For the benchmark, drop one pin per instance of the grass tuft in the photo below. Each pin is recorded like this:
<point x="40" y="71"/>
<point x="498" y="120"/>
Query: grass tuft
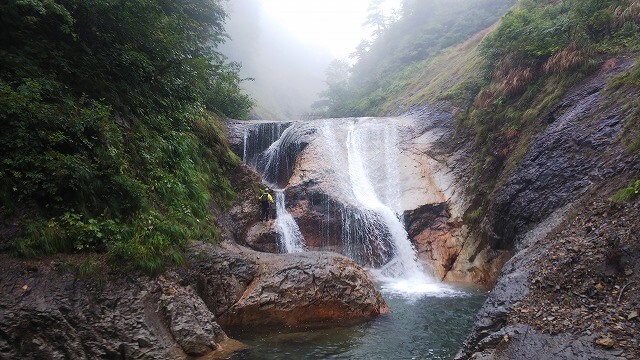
<point x="627" y="194"/>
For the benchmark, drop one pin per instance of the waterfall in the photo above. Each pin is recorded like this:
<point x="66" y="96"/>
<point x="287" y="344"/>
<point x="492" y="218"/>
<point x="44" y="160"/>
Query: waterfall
<point x="277" y="161"/>
<point x="362" y="142"/>
<point x="259" y="137"/>
<point x="359" y="173"/>
<point x="289" y="237"/>
<point x="271" y="149"/>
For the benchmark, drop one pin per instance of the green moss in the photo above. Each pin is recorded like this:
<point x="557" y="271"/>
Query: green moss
<point x="88" y="267"/>
<point x="475" y="214"/>
<point x="628" y="193"/>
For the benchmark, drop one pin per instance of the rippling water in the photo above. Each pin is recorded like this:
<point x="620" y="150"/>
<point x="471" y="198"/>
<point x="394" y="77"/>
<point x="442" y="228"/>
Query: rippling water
<point x="429" y="324"/>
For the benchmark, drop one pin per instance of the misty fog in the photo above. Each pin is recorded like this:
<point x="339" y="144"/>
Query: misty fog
<point x="288" y="73"/>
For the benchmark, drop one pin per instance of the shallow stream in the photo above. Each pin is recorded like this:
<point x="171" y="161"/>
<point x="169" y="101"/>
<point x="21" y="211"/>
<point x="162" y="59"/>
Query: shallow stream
<point x="430" y="325"/>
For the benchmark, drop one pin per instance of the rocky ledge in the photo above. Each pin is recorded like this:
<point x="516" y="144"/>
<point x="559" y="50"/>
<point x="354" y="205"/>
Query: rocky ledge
<point x="60" y="308"/>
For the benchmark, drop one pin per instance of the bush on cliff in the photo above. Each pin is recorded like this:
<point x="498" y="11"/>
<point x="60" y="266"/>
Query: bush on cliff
<point x="109" y="128"/>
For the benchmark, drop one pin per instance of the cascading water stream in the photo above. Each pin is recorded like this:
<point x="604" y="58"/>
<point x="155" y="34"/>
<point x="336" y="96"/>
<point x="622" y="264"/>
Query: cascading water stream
<point x="361" y="167"/>
<point x="290" y="238"/>
<point x="405" y="261"/>
<point x="273" y="163"/>
<point x="403" y="272"/>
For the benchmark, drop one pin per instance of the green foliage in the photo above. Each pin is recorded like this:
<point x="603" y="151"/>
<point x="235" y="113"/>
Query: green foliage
<point x="109" y="128"/>
<point x="536" y="30"/>
<point x="531" y="33"/>
<point x="475" y="214"/>
<point x="627" y="194"/>
<point x="88" y="267"/>
<point x="423" y="29"/>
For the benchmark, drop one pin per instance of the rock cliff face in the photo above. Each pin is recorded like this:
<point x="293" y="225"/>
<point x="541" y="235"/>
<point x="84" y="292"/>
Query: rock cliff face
<point x="321" y="195"/>
<point x="48" y="310"/>
<point x="454" y="251"/>
<point x="577" y="149"/>
<point x="572" y="288"/>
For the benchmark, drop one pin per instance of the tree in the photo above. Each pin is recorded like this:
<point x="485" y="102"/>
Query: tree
<point x="376" y="18"/>
<point x="106" y="130"/>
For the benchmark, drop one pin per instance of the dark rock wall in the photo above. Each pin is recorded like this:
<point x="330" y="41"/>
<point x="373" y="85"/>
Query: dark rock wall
<point x="577" y="149"/>
<point x="545" y="303"/>
<point x="49" y="311"/>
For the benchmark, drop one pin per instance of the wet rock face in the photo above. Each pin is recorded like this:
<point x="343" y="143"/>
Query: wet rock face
<point x="434" y="236"/>
<point x="191" y="323"/>
<point x="252" y="142"/>
<point x="287" y="290"/>
<point x="319" y="216"/>
<point x="257" y="135"/>
<point x="560" y="296"/>
<point x="262" y="236"/>
<point x="242" y="223"/>
<point x="573" y="152"/>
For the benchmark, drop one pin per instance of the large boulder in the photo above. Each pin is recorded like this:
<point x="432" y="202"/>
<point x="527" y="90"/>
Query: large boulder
<point x="262" y="236"/>
<point x="249" y="288"/>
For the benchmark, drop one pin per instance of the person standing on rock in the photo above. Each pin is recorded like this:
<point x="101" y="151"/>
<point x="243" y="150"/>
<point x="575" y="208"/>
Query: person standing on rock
<point x="265" y="203"/>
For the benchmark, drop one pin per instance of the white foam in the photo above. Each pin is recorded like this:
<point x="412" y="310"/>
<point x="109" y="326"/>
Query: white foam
<point x="414" y="287"/>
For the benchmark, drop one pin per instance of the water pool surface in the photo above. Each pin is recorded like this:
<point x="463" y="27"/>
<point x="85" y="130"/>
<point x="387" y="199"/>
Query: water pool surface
<point x="424" y="325"/>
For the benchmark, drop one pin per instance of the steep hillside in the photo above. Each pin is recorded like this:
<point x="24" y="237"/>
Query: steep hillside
<point x="574" y="242"/>
<point x="110" y="127"/>
<point x="400" y="49"/>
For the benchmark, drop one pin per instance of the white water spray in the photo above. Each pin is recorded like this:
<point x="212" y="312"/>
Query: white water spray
<point x="405" y="263"/>
<point x="373" y="160"/>
<point x="289" y="235"/>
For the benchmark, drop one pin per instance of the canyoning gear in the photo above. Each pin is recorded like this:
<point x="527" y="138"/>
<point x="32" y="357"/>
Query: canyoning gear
<point x="266" y="197"/>
<point x="265" y="201"/>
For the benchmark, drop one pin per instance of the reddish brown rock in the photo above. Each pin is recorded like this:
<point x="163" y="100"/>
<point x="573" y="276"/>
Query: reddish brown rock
<point x="304" y="289"/>
<point x="318" y="215"/>
<point x="262" y="236"/>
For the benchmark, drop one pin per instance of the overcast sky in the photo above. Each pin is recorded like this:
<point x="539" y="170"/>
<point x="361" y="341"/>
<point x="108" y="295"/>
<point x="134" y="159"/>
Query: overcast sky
<point x="335" y="25"/>
<point x="286" y="46"/>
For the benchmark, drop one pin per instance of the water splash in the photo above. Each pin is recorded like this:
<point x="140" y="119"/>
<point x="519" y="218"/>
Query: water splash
<point x="361" y="144"/>
<point x="289" y="235"/>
